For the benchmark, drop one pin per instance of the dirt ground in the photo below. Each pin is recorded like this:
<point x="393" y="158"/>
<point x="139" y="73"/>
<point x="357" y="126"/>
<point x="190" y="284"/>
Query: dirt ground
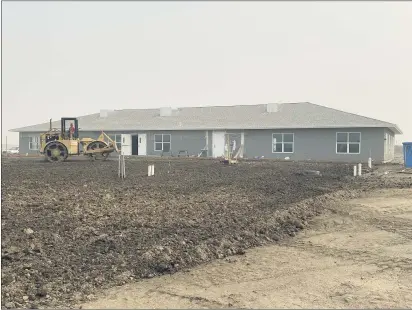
<point x="357" y="254"/>
<point x="73" y="230"/>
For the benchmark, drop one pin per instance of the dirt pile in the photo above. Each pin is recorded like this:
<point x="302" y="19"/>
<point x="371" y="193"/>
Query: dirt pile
<point x="70" y="228"/>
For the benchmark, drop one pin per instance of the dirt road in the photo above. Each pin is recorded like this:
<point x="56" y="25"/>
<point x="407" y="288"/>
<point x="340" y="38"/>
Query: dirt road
<point x="356" y="255"/>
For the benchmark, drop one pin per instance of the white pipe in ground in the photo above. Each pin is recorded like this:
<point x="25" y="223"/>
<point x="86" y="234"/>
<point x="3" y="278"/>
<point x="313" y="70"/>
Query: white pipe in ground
<point x="150" y="170"/>
<point x="359" y="169"/>
<point x="354" y="171"/>
<point x="370" y="163"/>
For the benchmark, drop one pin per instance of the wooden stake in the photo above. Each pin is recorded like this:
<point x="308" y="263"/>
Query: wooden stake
<point x="118" y="172"/>
<point x="124" y="168"/>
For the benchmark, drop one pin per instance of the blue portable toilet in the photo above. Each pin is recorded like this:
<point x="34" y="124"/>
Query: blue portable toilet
<point x="407" y="154"/>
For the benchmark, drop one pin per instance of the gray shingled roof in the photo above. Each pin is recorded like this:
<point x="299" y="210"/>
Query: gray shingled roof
<point x="289" y="115"/>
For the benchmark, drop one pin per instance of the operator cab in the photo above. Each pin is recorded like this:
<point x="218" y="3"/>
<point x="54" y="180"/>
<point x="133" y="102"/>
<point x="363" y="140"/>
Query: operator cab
<point x="69" y="128"/>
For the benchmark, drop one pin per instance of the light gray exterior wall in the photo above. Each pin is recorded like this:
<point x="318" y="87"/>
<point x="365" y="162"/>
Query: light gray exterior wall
<point x="210" y="143"/>
<point x="91" y="134"/>
<point x="309" y="144"/>
<point x="316" y="144"/>
<point x="191" y="141"/>
<point x="24" y="142"/>
<point x="389" y="145"/>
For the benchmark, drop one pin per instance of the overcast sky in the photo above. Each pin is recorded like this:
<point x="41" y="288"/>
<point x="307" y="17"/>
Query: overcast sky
<point x="75" y="58"/>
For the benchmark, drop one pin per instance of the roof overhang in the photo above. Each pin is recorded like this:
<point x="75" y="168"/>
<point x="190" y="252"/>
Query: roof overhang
<point x="393" y="127"/>
<point x="396" y="129"/>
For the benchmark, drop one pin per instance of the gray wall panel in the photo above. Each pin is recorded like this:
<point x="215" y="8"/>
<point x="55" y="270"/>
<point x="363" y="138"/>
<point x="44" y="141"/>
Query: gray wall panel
<point x="316" y="144"/>
<point x="310" y="144"/>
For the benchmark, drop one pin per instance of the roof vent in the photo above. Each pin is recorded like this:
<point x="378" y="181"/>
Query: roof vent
<point x="167" y="111"/>
<point x="272" y="107"/>
<point x="104" y="113"/>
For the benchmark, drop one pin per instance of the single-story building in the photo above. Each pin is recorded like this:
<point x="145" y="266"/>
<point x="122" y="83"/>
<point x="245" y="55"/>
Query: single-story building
<point x="300" y="131"/>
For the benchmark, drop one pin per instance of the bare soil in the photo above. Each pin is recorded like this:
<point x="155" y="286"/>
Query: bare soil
<point x="357" y="254"/>
<point x="72" y="229"/>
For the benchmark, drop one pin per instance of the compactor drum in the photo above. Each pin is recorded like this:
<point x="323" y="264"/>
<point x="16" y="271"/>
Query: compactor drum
<point x="98" y="150"/>
<point x="55" y="151"/>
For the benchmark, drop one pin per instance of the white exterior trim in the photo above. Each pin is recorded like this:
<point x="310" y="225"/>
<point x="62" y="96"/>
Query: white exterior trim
<point x="283" y="142"/>
<point x="162" y="134"/>
<point x="347" y="143"/>
<point x="36" y="141"/>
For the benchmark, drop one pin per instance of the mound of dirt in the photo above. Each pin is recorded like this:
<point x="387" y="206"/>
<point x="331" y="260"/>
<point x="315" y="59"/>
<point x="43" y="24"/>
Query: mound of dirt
<point x="71" y="228"/>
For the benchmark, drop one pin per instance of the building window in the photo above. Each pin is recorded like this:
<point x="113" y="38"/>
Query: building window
<point x="118" y="140"/>
<point x="348" y="142"/>
<point x="283" y="143"/>
<point x="34" y="143"/>
<point x="162" y="142"/>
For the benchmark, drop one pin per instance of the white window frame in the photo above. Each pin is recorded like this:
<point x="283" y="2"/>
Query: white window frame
<point x="34" y="140"/>
<point x="163" y="142"/>
<point x="117" y="138"/>
<point x="347" y="142"/>
<point x="283" y="142"/>
<point x="118" y="141"/>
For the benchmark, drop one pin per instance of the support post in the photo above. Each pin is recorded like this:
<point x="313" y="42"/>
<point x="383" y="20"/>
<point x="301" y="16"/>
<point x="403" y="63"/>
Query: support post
<point x="359" y="169"/>
<point x="354" y="171"/>
<point x="122" y="167"/>
<point x="207" y="144"/>
<point x="242" y="144"/>
<point x="118" y="170"/>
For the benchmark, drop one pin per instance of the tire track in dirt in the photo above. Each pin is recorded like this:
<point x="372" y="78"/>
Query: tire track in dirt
<point x="359" y="256"/>
<point x="203" y="302"/>
<point x="377" y="219"/>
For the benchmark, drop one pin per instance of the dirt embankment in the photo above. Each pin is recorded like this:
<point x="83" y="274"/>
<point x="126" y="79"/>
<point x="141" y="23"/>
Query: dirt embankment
<point x="357" y="254"/>
<point x="72" y="228"/>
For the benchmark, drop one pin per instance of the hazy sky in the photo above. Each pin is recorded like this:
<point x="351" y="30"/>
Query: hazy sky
<point x="74" y="58"/>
